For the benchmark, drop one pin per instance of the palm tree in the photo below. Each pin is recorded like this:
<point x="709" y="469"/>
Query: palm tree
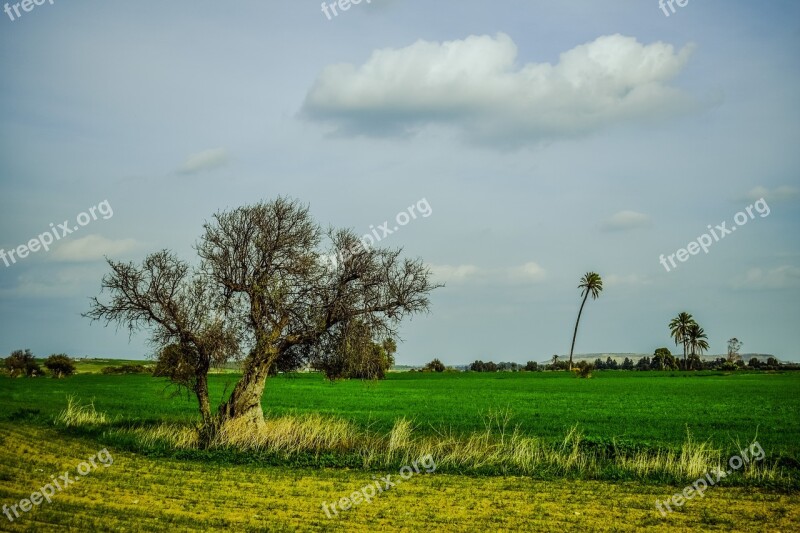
<point x="679" y="330"/>
<point x="592" y="284"/>
<point x="696" y="339"/>
<point x="555" y="361"/>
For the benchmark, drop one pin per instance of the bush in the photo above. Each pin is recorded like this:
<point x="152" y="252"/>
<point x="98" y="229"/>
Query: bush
<point x="60" y="365"/>
<point x="126" y="369"/>
<point x="22" y="363"/>
<point x="353" y="352"/>
<point x="434" y="366"/>
<point x="584" y="369"/>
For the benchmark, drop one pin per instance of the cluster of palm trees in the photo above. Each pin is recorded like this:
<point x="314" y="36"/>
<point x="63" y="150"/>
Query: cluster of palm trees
<point x="684" y="330"/>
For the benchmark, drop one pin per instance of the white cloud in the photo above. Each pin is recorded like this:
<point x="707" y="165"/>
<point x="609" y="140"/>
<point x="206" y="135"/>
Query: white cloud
<point x="529" y="272"/>
<point x="206" y="160"/>
<point x="782" y="277"/>
<point x="778" y="194"/>
<point x="626" y="220"/>
<point x="476" y="86"/>
<point x="91" y="248"/>
<point x="449" y="273"/>
<point x="633" y="280"/>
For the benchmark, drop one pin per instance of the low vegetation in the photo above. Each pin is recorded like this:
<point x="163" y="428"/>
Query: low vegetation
<point x="315" y="440"/>
<point x="188" y="496"/>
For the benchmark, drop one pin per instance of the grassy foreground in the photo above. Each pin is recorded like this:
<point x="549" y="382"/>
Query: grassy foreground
<point x="136" y="493"/>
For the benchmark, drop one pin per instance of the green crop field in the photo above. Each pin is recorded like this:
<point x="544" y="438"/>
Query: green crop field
<point x="645" y="408"/>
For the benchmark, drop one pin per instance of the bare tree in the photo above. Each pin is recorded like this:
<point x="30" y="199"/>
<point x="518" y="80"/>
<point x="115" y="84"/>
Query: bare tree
<point x="178" y="306"/>
<point x="274" y="278"/>
<point x="263" y="288"/>
<point x="734" y="345"/>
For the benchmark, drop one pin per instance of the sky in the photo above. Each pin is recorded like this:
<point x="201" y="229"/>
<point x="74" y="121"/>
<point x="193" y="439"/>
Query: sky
<point x="540" y="139"/>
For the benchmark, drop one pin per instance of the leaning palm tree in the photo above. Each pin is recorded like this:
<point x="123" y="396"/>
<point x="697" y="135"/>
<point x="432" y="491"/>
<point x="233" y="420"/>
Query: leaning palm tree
<point x="679" y="330"/>
<point x="696" y="340"/>
<point x="592" y="284"/>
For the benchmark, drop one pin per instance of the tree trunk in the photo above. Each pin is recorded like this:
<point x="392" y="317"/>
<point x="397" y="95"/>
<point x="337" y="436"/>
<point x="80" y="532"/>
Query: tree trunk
<point x="685" y="362"/>
<point x="201" y="391"/>
<point x="575" y="334"/>
<point x="209" y="426"/>
<point x="245" y="400"/>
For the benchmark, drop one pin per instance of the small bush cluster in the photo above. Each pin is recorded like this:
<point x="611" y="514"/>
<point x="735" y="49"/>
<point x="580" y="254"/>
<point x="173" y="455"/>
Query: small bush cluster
<point x="127" y="369"/>
<point x="22" y="363"/>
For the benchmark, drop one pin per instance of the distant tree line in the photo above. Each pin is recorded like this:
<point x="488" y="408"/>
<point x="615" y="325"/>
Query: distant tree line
<point x="661" y="359"/>
<point x="491" y="366"/>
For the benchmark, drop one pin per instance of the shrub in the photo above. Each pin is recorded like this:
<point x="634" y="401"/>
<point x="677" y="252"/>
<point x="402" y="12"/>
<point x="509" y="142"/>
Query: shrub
<point x="126" y="369"/>
<point x="60" y="365"/>
<point x="584" y="369"/>
<point x="22" y="363"/>
<point x="434" y="366"/>
<point x="353" y="352"/>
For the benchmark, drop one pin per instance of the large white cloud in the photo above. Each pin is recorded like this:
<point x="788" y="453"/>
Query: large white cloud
<point x="476" y="86"/>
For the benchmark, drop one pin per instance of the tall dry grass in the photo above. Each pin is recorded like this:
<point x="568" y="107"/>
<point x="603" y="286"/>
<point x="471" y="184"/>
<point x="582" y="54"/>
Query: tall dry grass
<point x="497" y="449"/>
<point x="77" y="415"/>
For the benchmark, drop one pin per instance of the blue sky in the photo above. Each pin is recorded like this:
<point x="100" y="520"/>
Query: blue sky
<point x="548" y="138"/>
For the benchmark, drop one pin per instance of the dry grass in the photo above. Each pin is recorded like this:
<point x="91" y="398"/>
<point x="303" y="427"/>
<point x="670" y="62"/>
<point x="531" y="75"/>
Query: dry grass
<point x="140" y="493"/>
<point x="78" y="415"/>
<point x="496" y="449"/>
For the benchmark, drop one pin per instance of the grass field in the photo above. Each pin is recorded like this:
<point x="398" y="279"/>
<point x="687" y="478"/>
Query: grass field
<point x="642" y="408"/>
<point x="154" y="490"/>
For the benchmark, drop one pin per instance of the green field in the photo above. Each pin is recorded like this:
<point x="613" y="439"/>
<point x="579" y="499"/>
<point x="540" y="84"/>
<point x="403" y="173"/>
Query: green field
<point x="640" y="408"/>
